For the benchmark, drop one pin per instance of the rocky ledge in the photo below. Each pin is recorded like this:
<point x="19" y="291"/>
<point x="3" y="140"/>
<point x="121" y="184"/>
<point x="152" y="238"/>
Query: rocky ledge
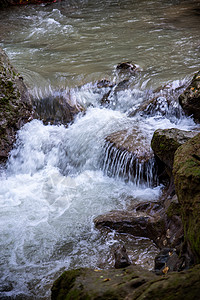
<point x="186" y="172"/>
<point x="128" y="283"/>
<point x="15" y="105"/>
<point x="190" y="98"/>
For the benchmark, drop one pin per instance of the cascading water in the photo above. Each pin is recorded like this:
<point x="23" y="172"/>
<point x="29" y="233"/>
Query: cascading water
<point x="124" y="164"/>
<point x="55" y="181"/>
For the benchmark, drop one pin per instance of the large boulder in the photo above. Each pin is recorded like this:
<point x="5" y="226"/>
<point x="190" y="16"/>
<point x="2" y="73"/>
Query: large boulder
<point x="15" y="104"/>
<point x="166" y="141"/>
<point x="190" y="98"/>
<point x="186" y="173"/>
<point x="127" y="283"/>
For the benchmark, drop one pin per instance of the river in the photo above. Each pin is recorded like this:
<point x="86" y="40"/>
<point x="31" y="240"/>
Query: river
<point x="53" y="185"/>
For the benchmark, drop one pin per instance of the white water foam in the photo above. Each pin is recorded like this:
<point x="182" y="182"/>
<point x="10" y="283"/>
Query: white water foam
<point x="50" y="193"/>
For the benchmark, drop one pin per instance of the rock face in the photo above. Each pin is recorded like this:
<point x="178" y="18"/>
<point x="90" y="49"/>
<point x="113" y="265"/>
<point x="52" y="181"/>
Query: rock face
<point x="127" y="154"/>
<point x="128" y="283"/>
<point x="187" y="183"/>
<point x="166" y="141"/>
<point x="15" y="105"/>
<point x="190" y="98"/>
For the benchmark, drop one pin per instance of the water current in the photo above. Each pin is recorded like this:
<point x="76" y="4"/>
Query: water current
<point x="54" y="185"/>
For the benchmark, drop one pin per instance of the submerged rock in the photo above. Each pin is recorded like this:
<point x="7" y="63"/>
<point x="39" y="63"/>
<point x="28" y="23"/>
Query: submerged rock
<point x="129" y="283"/>
<point x="127" y="154"/>
<point x="56" y="110"/>
<point x="190" y="98"/>
<point x="15" y="105"/>
<point x="186" y="171"/>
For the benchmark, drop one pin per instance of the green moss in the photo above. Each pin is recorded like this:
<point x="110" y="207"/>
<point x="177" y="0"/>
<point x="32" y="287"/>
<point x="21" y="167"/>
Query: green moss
<point x="63" y="284"/>
<point x="173" y="209"/>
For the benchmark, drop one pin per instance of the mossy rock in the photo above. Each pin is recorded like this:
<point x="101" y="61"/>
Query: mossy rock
<point x="190" y="98"/>
<point x="187" y="183"/>
<point x="15" y="104"/>
<point x="166" y="141"/>
<point x="129" y="283"/>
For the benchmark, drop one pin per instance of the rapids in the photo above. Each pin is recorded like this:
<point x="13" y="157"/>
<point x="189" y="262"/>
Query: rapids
<point x="54" y="183"/>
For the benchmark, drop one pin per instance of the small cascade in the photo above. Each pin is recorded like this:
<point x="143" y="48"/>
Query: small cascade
<point x="136" y="166"/>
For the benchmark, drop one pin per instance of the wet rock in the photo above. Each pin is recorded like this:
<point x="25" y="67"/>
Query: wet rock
<point x="15" y="105"/>
<point x="128" y="283"/>
<point x="190" y="98"/>
<point x="121" y="86"/>
<point x="105" y="99"/>
<point x="110" y="95"/>
<point x="121" y="257"/>
<point x="56" y="110"/>
<point x="136" y="224"/>
<point x="186" y="171"/>
<point x="127" y="154"/>
<point x="161" y="102"/>
<point x="168" y="261"/>
<point x="104" y="83"/>
<point x="166" y="141"/>
<point x="127" y="67"/>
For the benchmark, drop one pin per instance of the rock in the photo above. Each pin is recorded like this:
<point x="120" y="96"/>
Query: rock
<point x="128" y="283"/>
<point x="168" y="261"/>
<point x="186" y="171"/>
<point x="99" y="284"/>
<point x="104" y="83"/>
<point x="110" y="95"/>
<point x="166" y="141"/>
<point x="121" y="257"/>
<point x="127" y="154"/>
<point x="15" y="105"/>
<point x="127" y="66"/>
<point x="136" y="224"/>
<point x="56" y="110"/>
<point x="161" y="102"/>
<point x="190" y="98"/>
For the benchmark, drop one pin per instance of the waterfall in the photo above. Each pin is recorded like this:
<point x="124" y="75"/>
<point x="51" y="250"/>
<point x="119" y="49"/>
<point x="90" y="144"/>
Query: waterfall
<point x="121" y="163"/>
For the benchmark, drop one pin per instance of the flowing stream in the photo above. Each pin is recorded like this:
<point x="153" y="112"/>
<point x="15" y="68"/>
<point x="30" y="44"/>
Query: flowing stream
<point x="54" y="183"/>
